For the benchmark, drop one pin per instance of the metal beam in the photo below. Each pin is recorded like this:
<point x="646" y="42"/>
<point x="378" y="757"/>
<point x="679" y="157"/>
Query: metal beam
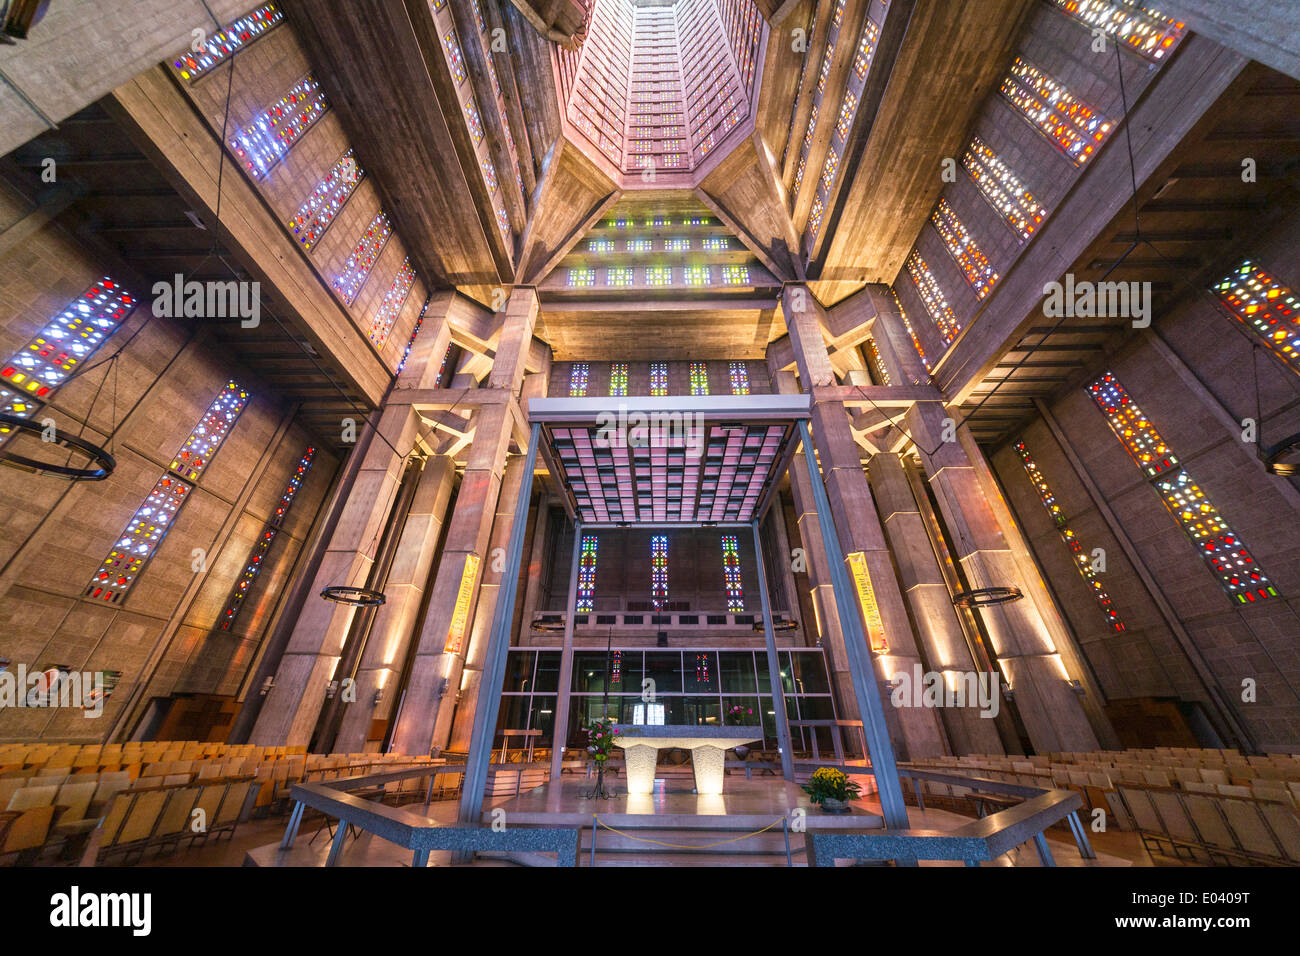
<point x="773" y="664"/>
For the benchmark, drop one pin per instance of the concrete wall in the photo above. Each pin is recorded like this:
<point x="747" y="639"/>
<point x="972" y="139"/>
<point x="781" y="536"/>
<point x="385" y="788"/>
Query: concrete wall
<point x="54" y="534"/>
<point x="1256" y="642"/>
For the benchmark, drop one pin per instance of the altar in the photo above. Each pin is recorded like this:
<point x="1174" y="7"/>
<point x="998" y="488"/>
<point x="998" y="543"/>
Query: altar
<point x="708" y="745"/>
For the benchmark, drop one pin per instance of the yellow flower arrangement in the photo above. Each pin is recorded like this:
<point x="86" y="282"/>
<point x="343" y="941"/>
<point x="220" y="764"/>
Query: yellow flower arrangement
<point x="827" y="783"/>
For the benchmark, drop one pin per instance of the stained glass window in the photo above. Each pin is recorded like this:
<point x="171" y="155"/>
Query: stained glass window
<point x="579" y="373"/>
<point x="582" y="277"/>
<point x="454" y="59"/>
<point x="266" y="140"/>
<point x="715" y="244"/>
<point x="1053" y="110"/>
<point x="619" y="277"/>
<point x="735" y="275"/>
<point x="659" y="378"/>
<point x="442" y="366"/>
<point x="739" y="378"/>
<point x="677" y="245"/>
<point x="640" y="245"/>
<point x="1267" y="306"/>
<point x="228" y="41"/>
<point x="144" y="532"/>
<point x="600" y="245"/>
<point x="936" y="303"/>
<point x="319" y="209"/>
<point x="410" y="343"/>
<point x="71" y="337"/>
<point x="587" y="575"/>
<point x="659" y="571"/>
<point x="699" y="378"/>
<point x="1131" y="426"/>
<point x="1003" y="189"/>
<point x="391" y="306"/>
<point x="1147" y="31"/>
<point x="20" y="406"/>
<point x="253" y="566"/>
<point x="357" y="269"/>
<point x="659" y="275"/>
<point x="618" y="379"/>
<point x="974" y="264"/>
<point x="697" y="275"/>
<point x="1218" y="545"/>
<point x="910" y="331"/>
<point x="731" y="572"/>
<point x="1082" y="558"/>
<point x="206" y="438"/>
<point x="474" y="122"/>
<point x="866" y="48"/>
<point x="879" y="363"/>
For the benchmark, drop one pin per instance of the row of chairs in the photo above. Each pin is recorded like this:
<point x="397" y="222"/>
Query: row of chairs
<point x="161" y="817"/>
<point x="1213" y="827"/>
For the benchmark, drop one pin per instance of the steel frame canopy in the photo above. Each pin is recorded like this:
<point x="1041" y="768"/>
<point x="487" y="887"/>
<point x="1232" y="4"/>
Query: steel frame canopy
<point x="668" y="461"/>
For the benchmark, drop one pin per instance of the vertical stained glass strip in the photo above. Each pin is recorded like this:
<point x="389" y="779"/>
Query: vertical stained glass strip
<point x="911" y="331"/>
<point x="266" y="140"/>
<point x="211" y="431"/>
<point x="1075" y="129"/>
<point x="739" y="378"/>
<point x="1082" y="558"/>
<point x="391" y="306"/>
<point x="410" y="343"/>
<point x="253" y="566"/>
<point x="319" y="209"/>
<point x="659" y="571"/>
<point x="587" y="575"/>
<point x="699" y="378"/>
<point x="936" y="303"/>
<point x="71" y="337"/>
<point x="1267" y="306"/>
<point x="1230" y="560"/>
<point x="454" y="59"/>
<point x="579" y="373"/>
<point x="1131" y="426"/>
<point x="1003" y="189"/>
<point x="961" y="245"/>
<point x="227" y="42"/>
<point x="1146" y="31"/>
<point x="731" y="572"/>
<point x="879" y="363"/>
<point x="20" y="406"/>
<point x="618" y="380"/>
<point x="144" y="532"/>
<point x="658" y="378"/>
<point x="356" y="270"/>
<point x="1218" y="545"/>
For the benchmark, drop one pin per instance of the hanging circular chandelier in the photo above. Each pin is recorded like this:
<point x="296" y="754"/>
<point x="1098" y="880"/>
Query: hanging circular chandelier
<point x="357" y="597"/>
<point x="1271" y="455"/>
<point x="986" y="597"/>
<point x="101" y="462"/>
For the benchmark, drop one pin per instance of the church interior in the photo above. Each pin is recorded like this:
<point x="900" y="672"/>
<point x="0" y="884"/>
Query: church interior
<point x="693" y="432"/>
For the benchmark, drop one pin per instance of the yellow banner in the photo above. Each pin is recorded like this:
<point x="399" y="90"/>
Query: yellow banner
<point x="867" y="601"/>
<point x="460" y="615"/>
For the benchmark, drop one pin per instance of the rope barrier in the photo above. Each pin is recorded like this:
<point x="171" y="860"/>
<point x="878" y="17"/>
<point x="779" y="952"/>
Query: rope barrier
<point x="681" y="846"/>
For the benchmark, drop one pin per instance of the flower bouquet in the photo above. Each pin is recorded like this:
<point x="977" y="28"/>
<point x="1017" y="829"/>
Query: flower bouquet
<point x="600" y="740"/>
<point x="832" y="789"/>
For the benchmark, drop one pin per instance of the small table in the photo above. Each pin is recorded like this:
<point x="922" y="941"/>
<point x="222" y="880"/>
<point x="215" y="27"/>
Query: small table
<point x="641" y="744"/>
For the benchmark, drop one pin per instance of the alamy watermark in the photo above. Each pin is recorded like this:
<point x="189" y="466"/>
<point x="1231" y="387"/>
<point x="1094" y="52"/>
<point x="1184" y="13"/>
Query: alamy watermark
<point x="1103" y="300"/>
<point x="621" y="428"/>
<point x="211" y="300"/>
<point x="922" y="688"/>
<point x="85" y="691"/>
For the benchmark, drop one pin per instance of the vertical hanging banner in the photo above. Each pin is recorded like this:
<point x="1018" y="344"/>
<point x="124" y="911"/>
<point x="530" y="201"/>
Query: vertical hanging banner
<point x="464" y="596"/>
<point x="867" y="601"/>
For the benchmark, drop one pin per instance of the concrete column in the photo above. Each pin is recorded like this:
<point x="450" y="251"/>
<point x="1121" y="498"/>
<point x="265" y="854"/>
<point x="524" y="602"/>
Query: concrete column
<point x="940" y="630"/>
<point x="854" y="514"/>
<point x="1028" y="656"/>
<point x="490" y="576"/>
<point x="289" y="713"/>
<point x="395" y="621"/>
<point x="433" y="687"/>
<point x="1261" y="30"/>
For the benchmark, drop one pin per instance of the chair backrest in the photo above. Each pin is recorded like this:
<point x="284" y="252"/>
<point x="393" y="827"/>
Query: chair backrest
<point x="1233" y="790"/>
<point x="29" y="797"/>
<point x="232" y="805"/>
<point x="1244" y="817"/>
<point x="1213" y="775"/>
<point x="142" y="816"/>
<point x="76" y="798"/>
<point x="176" y="814"/>
<point x="1285" y="826"/>
<point x="147" y="783"/>
<point x="176" y="779"/>
<point x="1205" y="813"/>
<point x="8" y="787"/>
<point x="1170" y="807"/>
<point x="1156" y="777"/>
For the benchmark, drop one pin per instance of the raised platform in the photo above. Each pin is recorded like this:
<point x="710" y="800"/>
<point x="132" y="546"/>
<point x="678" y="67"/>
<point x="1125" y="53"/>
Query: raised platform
<point x="745" y="804"/>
